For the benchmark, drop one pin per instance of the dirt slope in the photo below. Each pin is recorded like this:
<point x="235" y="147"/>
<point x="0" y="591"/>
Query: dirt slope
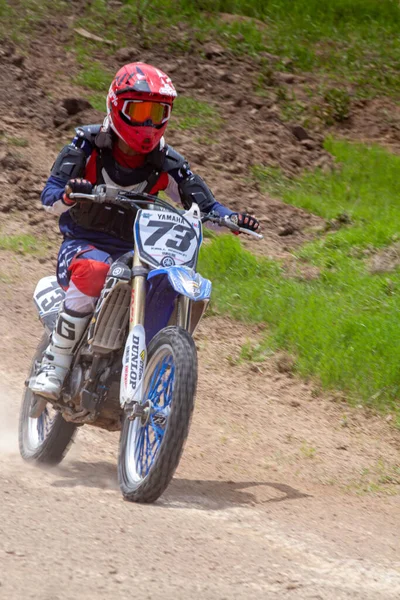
<point x="281" y="493"/>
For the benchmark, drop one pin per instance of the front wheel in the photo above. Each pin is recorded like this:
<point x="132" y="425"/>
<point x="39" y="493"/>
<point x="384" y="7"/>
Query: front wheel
<point x="44" y="439"/>
<point x="151" y="445"/>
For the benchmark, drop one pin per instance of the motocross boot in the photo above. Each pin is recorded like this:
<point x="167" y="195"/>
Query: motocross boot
<point x="58" y="355"/>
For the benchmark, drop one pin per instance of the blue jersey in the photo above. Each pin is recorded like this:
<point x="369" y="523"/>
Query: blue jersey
<point x="167" y="180"/>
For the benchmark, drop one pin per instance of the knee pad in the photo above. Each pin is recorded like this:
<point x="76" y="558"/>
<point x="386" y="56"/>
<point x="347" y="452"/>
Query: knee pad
<point x="88" y="275"/>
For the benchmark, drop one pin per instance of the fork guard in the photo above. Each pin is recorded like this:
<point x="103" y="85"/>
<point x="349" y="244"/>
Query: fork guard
<point x="185" y="281"/>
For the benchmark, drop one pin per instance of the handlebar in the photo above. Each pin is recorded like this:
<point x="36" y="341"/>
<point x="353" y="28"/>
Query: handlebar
<point x="114" y="195"/>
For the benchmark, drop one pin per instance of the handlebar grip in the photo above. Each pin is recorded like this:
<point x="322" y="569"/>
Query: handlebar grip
<point x="77" y="196"/>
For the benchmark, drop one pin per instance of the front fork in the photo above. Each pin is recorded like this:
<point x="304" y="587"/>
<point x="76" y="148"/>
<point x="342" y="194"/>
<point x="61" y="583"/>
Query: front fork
<point x="135" y="352"/>
<point x="138" y="298"/>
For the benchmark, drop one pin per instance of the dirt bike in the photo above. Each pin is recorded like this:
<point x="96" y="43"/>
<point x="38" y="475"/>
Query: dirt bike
<point x="135" y="369"/>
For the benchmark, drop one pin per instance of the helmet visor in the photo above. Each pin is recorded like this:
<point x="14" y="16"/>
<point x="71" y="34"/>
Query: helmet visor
<point x="140" y="112"/>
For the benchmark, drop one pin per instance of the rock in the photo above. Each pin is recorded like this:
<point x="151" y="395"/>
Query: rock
<point x="257" y="102"/>
<point x="73" y="106"/>
<point x="12" y="162"/>
<point x="273" y="58"/>
<point x="295" y="403"/>
<point x="5" y="208"/>
<point x="211" y="50"/>
<point x="11" y="120"/>
<point x="230" y="77"/>
<point x="268" y="113"/>
<point x="285" y="77"/>
<point x="300" y="133"/>
<point x="200" y="158"/>
<point x="240" y="101"/>
<point x="287" y="229"/>
<point x="126" y="55"/>
<point x="309" y="144"/>
<point x="91" y="36"/>
<point x="60" y="116"/>
<point x="170" y="67"/>
<point x="18" y="60"/>
<point x="13" y="177"/>
<point x="285" y="363"/>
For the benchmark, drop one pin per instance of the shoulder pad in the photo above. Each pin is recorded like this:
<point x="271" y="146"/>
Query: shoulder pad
<point x="88" y="132"/>
<point x="173" y="160"/>
<point x="70" y="163"/>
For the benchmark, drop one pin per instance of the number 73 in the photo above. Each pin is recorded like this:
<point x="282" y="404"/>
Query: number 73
<point x="180" y="237"/>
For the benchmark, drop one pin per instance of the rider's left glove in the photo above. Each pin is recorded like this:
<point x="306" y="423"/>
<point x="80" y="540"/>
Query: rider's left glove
<point x="246" y="221"/>
<point x="76" y="186"/>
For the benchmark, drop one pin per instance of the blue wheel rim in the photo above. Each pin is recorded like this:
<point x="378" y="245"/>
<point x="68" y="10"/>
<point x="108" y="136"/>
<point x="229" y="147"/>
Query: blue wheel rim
<point x="145" y="438"/>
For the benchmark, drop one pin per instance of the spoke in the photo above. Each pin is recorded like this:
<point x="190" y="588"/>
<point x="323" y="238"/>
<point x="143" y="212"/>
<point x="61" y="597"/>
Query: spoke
<point x="155" y="376"/>
<point x="158" y="431"/>
<point x="148" y="438"/>
<point x="148" y="452"/>
<point x="140" y="445"/>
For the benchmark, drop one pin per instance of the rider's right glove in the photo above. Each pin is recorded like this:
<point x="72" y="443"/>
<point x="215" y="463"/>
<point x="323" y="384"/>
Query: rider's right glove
<point x="76" y="186"/>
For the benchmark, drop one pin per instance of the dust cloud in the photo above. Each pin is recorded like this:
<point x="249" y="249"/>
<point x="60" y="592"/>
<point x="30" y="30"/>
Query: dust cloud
<point x="8" y="420"/>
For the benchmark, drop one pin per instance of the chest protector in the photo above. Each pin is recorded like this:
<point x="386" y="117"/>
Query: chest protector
<point x="108" y="218"/>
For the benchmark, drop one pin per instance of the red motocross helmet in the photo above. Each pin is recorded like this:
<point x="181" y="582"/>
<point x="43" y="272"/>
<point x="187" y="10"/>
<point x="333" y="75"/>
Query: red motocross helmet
<point x="139" y="104"/>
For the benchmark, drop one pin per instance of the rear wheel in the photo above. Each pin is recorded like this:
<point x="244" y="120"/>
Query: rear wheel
<point x="44" y="439"/>
<point x="151" y="445"/>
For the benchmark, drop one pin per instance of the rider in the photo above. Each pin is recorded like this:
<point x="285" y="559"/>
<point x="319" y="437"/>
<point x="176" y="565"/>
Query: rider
<point x="128" y="151"/>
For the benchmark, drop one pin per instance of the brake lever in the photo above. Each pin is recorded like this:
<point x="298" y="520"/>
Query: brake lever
<point x="226" y="222"/>
<point x="258" y="236"/>
<point x="238" y="229"/>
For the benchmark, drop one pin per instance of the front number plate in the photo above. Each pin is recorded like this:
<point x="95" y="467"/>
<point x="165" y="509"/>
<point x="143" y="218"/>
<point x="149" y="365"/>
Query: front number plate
<point x="166" y="239"/>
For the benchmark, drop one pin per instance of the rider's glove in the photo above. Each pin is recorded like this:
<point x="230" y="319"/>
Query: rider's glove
<point x="76" y="186"/>
<point x="246" y="221"/>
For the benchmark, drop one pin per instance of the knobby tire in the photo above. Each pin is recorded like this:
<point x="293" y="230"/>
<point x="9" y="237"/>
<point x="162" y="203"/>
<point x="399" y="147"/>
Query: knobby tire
<point x="150" y="488"/>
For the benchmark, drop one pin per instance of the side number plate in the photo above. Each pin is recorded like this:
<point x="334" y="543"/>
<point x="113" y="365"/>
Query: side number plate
<point x="48" y="296"/>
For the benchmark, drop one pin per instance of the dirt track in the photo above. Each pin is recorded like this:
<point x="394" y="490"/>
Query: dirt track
<point x="228" y="527"/>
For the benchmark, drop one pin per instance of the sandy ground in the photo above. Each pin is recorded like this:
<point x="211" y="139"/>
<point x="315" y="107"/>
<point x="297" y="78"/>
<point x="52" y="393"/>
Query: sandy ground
<point x="241" y="519"/>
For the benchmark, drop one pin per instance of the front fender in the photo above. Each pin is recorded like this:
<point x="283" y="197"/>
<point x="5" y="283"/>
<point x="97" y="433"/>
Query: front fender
<point x="185" y="281"/>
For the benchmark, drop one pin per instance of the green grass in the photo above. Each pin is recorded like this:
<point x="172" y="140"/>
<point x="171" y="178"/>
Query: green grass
<point x="354" y="39"/>
<point x="95" y="77"/>
<point x="343" y="326"/>
<point x="18" y="141"/>
<point x="22" y="244"/>
<point x="351" y="41"/>
<point x="189" y="113"/>
<point x="18" y="18"/>
<point x="98" y="101"/>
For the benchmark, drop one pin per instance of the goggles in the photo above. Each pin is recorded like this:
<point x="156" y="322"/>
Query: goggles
<point x="140" y="112"/>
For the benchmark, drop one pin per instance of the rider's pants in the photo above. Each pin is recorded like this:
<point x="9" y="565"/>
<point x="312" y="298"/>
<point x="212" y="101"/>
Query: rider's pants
<point x="81" y="271"/>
